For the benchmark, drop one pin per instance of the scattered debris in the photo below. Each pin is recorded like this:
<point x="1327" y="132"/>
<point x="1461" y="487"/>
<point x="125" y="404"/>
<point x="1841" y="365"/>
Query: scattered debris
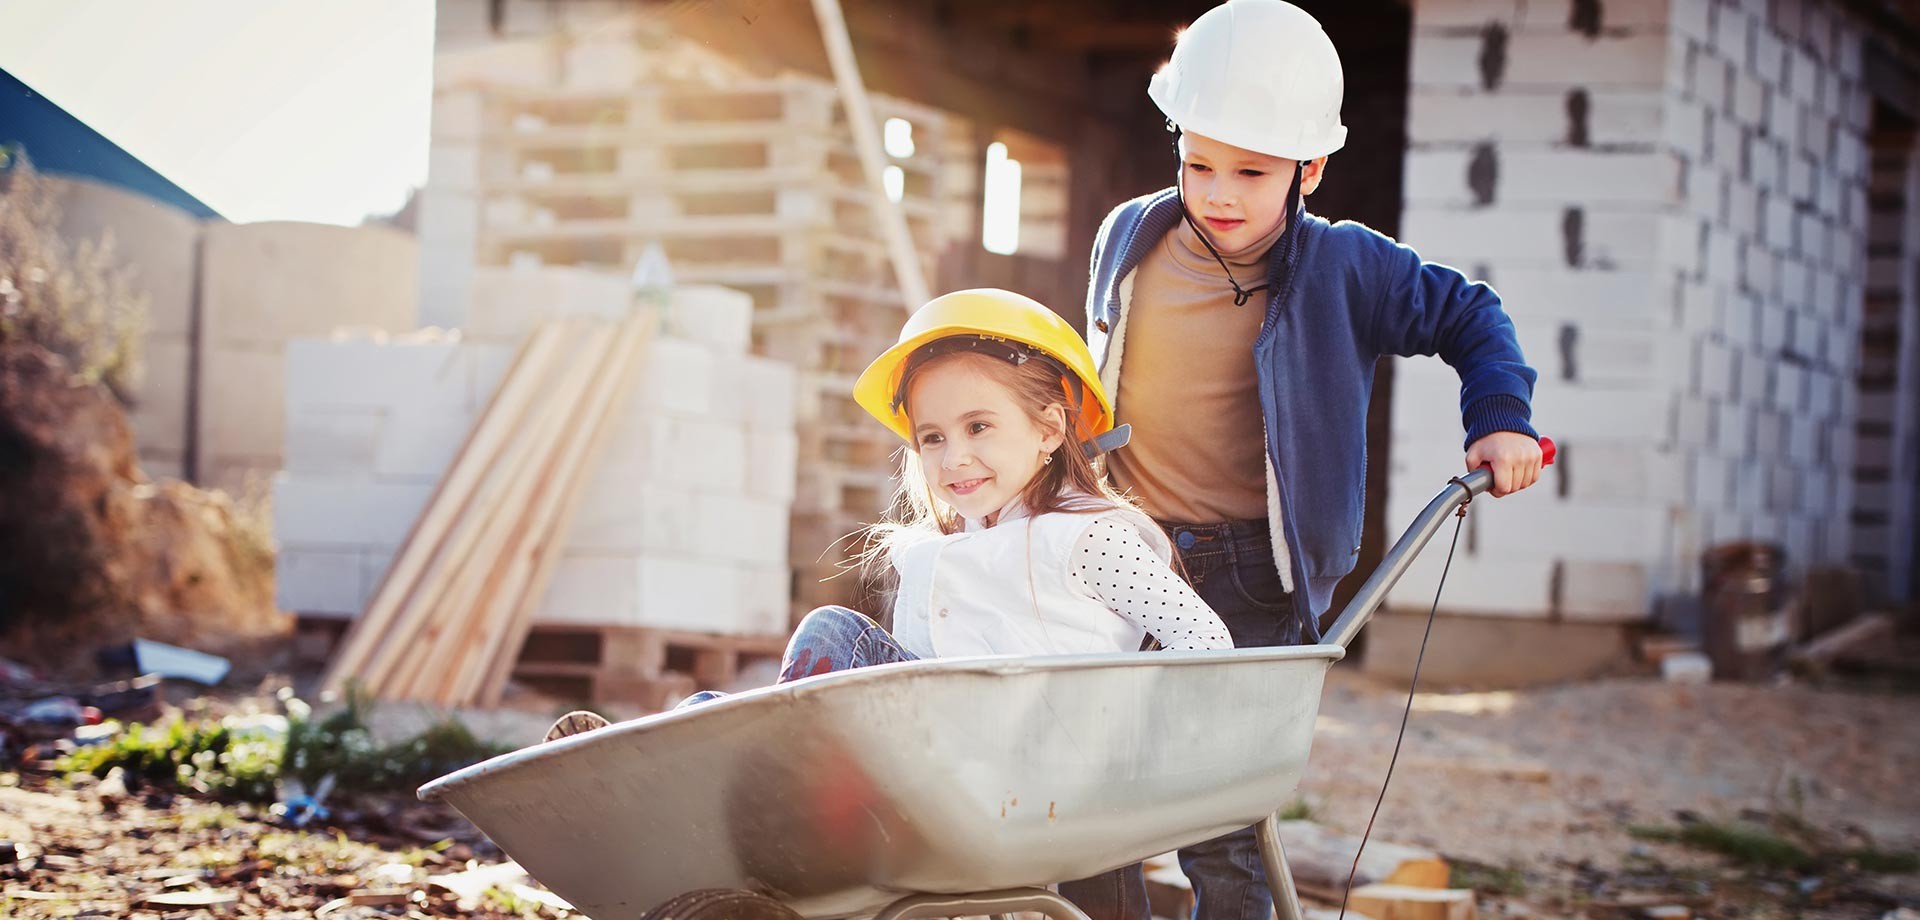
<point x="1686" y="668"/>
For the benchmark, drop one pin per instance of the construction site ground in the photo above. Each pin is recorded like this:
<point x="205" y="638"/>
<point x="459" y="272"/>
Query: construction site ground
<point x="1545" y="800"/>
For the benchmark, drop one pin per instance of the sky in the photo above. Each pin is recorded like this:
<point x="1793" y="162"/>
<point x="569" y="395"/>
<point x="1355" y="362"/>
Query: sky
<point x="263" y="109"/>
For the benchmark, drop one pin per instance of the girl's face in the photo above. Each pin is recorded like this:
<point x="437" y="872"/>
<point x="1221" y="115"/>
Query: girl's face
<point x="1238" y="196"/>
<point x="978" y="448"/>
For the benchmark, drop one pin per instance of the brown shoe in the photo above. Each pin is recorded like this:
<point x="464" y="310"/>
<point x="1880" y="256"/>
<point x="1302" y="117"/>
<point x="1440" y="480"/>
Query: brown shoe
<point x="575" y="722"/>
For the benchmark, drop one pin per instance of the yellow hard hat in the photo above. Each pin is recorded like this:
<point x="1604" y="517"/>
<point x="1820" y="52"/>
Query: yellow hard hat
<point x="985" y="316"/>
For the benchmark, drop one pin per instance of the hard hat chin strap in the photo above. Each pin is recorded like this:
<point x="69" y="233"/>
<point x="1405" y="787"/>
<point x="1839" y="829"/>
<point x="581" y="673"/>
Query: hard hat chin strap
<point x="1240" y="295"/>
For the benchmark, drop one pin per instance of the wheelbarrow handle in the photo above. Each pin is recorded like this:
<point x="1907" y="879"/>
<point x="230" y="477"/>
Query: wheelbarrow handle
<point x="1458" y="492"/>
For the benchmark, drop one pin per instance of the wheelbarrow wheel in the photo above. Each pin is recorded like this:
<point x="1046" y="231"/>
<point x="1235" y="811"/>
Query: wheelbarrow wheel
<point x="721" y="904"/>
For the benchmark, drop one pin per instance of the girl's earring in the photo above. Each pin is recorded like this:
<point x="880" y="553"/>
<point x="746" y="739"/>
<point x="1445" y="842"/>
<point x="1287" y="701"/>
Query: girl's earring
<point x="1047" y="459"/>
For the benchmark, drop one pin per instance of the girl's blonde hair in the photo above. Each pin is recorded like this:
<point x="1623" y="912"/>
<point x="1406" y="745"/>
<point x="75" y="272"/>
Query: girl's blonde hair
<point x="1070" y="482"/>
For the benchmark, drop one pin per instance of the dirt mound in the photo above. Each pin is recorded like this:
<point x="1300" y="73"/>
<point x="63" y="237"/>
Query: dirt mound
<point x="92" y="552"/>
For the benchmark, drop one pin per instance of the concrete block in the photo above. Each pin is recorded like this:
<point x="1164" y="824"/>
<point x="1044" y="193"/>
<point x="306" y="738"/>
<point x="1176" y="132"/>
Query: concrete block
<point x="773" y="392"/>
<point x="320" y="580"/>
<point x="1789" y="387"/>
<point x="1606" y="592"/>
<point x="1749" y="100"/>
<point x="685" y="593"/>
<point x="1452" y="117"/>
<point x="1534" y="237"/>
<point x="1732" y="34"/>
<point x="242" y="409"/>
<point x="1712" y="76"/>
<point x="1534" y="61"/>
<point x="1606" y="414"/>
<point x="1439" y="178"/>
<point x="508" y="302"/>
<point x="1714" y="366"/>
<point x="457" y="116"/>
<point x="740" y="529"/>
<point x="719" y="317"/>
<point x="1536" y="296"/>
<point x="1710" y="483"/>
<point x="365" y="373"/>
<point x="1692" y="422"/>
<point x="1768" y="58"/>
<point x="1617" y="15"/>
<point x="332" y="442"/>
<point x="1620" y="471"/>
<point x="771" y="459"/>
<point x="323" y="510"/>
<point x="1734" y="424"/>
<point x="1462" y="14"/>
<point x="263" y="283"/>
<point x="624" y="513"/>
<point x="1508" y="588"/>
<point x="487" y="364"/>
<point x="1802" y="435"/>
<point x="458" y="166"/>
<point x="678" y="379"/>
<point x="1690" y="18"/>
<point x="159" y="415"/>
<point x="1804" y="75"/>
<point x="765" y="605"/>
<point x="705" y="455"/>
<point x="419" y="442"/>
<point x="593" y="590"/>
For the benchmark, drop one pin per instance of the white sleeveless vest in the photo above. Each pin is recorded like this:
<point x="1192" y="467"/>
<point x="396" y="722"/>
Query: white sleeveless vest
<point x="1007" y="590"/>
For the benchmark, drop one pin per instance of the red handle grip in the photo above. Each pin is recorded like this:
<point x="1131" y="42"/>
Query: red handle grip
<point x="1547" y="450"/>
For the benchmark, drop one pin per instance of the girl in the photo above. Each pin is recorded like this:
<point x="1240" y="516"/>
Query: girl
<point x="1009" y="543"/>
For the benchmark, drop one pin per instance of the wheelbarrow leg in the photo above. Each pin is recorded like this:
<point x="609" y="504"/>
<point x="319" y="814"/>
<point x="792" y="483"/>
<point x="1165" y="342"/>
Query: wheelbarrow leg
<point x="1286" y="898"/>
<point x="996" y="903"/>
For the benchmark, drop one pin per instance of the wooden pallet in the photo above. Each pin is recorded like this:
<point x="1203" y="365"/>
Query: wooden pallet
<point x="636" y="665"/>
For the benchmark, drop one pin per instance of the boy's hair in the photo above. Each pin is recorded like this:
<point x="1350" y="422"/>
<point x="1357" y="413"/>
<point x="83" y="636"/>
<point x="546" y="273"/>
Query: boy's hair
<point x="1069" y="483"/>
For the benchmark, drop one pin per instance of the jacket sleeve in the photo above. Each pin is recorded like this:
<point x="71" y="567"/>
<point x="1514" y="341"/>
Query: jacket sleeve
<point x="1425" y="308"/>
<point x="1100" y="239"/>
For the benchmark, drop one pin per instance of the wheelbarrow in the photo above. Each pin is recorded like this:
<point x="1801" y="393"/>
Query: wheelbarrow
<point x="937" y="788"/>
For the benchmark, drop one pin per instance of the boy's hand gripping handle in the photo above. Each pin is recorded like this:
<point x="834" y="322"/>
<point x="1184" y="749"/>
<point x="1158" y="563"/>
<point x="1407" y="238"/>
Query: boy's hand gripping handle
<point x="1458" y="492"/>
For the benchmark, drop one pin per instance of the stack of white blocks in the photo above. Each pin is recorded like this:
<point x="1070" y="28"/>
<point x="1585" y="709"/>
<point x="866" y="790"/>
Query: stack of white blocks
<point x="1691" y="356"/>
<point x="684" y="522"/>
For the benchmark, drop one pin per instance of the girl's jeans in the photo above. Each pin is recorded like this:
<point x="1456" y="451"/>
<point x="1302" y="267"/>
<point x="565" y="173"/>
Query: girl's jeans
<point x="829" y="639"/>
<point x="1231" y="567"/>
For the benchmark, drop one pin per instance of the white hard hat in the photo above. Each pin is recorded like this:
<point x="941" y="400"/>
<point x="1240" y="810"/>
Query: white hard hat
<point x="1258" y="74"/>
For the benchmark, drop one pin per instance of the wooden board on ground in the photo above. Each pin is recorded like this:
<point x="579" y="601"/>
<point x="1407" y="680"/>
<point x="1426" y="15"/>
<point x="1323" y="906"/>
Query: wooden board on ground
<point x="1405" y="902"/>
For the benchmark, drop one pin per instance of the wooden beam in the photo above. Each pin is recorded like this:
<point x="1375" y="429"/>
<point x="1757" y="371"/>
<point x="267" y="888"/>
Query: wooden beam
<point x="450" y="496"/>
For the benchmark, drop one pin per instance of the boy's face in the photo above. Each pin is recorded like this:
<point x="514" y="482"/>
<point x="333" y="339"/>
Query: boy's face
<point x="1236" y="195"/>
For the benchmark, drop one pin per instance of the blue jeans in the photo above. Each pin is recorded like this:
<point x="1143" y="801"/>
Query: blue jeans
<point x="828" y="639"/>
<point x="1231" y="567"/>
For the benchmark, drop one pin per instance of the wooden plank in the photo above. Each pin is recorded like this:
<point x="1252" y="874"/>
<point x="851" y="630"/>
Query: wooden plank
<point x="610" y="402"/>
<point x="519" y="557"/>
<point x="383" y="672"/>
<point x="1404" y="902"/>
<point x="1321" y="859"/>
<point x="449" y="619"/>
<point x="1866" y="632"/>
<point x="443" y="506"/>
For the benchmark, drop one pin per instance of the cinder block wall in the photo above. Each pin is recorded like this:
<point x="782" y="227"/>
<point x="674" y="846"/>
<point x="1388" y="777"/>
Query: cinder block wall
<point x="1670" y="197"/>
<point x="684" y="524"/>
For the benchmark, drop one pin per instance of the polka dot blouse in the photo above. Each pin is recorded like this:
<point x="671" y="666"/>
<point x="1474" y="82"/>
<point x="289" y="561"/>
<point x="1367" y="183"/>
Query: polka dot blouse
<point x="1115" y="563"/>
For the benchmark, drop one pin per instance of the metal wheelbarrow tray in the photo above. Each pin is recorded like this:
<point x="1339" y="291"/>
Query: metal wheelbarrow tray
<point x="945" y="787"/>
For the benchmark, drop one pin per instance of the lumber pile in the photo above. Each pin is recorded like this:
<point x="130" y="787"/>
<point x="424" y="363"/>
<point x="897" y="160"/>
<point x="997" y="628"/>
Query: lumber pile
<point x="446" y="624"/>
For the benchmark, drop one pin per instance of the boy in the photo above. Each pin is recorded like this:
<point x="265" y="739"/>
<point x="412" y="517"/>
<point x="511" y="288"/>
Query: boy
<point x="1249" y="330"/>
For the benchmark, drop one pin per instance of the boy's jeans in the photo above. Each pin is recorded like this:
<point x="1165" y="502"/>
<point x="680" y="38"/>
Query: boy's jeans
<point x="828" y="639"/>
<point x="1231" y="567"/>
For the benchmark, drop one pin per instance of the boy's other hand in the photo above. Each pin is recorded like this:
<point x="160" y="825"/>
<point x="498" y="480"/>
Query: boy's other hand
<point x="1513" y="457"/>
